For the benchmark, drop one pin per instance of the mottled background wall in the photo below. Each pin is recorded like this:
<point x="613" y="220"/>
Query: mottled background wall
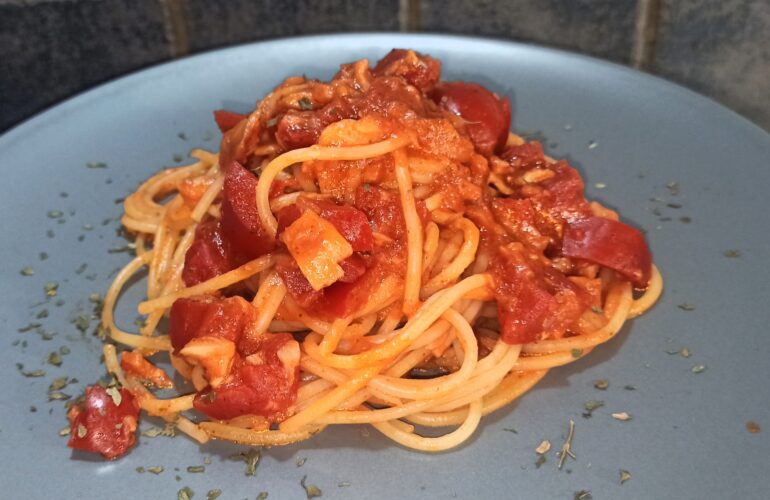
<point x="51" y="49"/>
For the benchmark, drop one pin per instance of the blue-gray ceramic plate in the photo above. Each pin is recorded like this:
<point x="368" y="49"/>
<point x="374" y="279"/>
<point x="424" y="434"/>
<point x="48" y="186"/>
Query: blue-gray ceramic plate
<point x="694" y="175"/>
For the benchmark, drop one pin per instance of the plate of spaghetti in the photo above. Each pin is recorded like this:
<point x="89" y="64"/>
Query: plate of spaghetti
<point x="370" y="273"/>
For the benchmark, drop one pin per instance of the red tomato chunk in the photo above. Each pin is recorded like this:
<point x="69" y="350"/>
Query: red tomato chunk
<point x="351" y="223"/>
<point x="299" y="129"/>
<point x="521" y="317"/>
<point x="421" y="71"/>
<point x="383" y="209"/>
<point x="336" y="300"/>
<point x="354" y="267"/>
<point x="344" y="298"/>
<point x="220" y="246"/>
<point x="227" y="119"/>
<point x="260" y="383"/>
<point x="527" y="155"/>
<point x="240" y="218"/>
<point x="522" y="301"/>
<point x="208" y="256"/>
<point x="100" y="425"/>
<point x="265" y="373"/>
<point x="487" y="116"/>
<point x="209" y="316"/>
<point x="611" y="244"/>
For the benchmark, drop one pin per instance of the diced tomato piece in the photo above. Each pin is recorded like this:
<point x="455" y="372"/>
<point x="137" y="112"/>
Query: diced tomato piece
<point x="240" y="218"/>
<point x="343" y="299"/>
<point x="611" y="244"/>
<point x="487" y="117"/>
<point x="263" y="383"/>
<point x="298" y="129"/>
<point x="557" y="282"/>
<point x="296" y="284"/>
<point x="354" y="267"/>
<point x="523" y="300"/>
<point x="419" y="70"/>
<point x="339" y="108"/>
<point x="506" y="104"/>
<point x="135" y="365"/>
<point x="534" y="301"/>
<point x="349" y="221"/>
<point x="518" y="217"/>
<point x="258" y="344"/>
<point x="227" y="119"/>
<point x="335" y="301"/>
<point x="231" y="399"/>
<point x="564" y="195"/>
<point x="383" y="209"/>
<point x="522" y="315"/>
<point x="526" y="156"/>
<point x="286" y="216"/>
<point x="100" y="425"/>
<point x="209" y="316"/>
<point x="352" y="225"/>
<point x="208" y="256"/>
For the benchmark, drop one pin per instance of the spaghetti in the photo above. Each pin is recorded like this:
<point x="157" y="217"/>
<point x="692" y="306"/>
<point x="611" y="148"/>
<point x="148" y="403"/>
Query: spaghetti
<point x="377" y="249"/>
